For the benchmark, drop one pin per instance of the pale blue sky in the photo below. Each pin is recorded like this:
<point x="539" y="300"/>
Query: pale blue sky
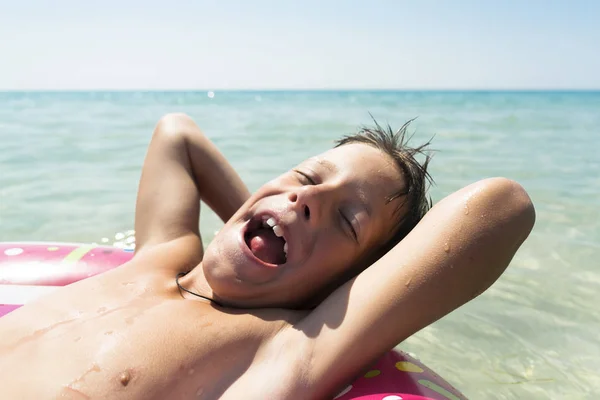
<point x="260" y="44"/>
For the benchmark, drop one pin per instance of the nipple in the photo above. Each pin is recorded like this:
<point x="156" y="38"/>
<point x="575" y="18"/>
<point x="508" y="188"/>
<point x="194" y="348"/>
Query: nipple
<point x="125" y="378"/>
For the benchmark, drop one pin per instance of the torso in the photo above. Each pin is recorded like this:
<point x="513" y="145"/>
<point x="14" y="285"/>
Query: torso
<point x="129" y="334"/>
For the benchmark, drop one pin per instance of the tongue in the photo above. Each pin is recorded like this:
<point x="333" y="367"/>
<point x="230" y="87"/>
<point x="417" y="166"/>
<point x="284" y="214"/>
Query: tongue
<point x="265" y="245"/>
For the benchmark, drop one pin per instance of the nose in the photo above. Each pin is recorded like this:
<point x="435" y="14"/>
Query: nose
<point x="311" y="202"/>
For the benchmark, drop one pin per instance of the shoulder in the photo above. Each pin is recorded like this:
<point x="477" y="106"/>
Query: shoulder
<point x="178" y="255"/>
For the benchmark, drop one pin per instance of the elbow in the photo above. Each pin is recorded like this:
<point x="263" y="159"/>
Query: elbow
<point x="176" y="126"/>
<point x="509" y="204"/>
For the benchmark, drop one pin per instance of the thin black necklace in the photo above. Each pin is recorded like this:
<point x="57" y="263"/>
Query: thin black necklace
<point x="179" y="275"/>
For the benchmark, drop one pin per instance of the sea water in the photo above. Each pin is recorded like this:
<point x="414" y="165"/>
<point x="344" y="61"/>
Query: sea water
<point x="70" y="164"/>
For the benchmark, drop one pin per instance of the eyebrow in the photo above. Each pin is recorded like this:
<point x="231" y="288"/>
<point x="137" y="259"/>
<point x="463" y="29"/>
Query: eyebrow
<point x="363" y="202"/>
<point x="328" y="164"/>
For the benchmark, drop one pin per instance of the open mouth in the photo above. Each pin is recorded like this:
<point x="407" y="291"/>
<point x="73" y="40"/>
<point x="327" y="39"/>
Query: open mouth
<point x="264" y="238"/>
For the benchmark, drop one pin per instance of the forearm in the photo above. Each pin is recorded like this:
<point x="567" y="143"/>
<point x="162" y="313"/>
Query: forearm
<point x="219" y="185"/>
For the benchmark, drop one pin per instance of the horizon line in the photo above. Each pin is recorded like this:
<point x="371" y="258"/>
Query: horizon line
<point x="305" y="90"/>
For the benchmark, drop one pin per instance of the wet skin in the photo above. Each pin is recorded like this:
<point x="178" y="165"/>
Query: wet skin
<point x="129" y="334"/>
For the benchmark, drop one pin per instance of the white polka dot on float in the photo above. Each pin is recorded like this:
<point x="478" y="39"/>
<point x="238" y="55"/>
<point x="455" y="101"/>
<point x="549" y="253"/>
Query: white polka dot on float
<point x="392" y="398"/>
<point x="15" y="251"/>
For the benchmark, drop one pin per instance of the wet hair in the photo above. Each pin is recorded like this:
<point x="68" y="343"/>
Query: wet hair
<point x="415" y="201"/>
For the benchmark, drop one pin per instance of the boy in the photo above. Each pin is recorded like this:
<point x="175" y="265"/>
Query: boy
<point x="282" y="296"/>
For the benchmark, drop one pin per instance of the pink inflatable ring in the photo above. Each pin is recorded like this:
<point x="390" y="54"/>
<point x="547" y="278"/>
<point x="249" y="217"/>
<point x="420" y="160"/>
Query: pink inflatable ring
<point x="29" y="270"/>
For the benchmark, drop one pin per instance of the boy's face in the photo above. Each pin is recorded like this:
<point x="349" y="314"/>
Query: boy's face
<point x="330" y="210"/>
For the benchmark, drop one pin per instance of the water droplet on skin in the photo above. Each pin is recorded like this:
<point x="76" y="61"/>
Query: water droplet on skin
<point x="108" y="333"/>
<point x="71" y="393"/>
<point x="82" y="378"/>
<point x="101" y="310"/>
<point x="199" y="392"/>
<point x="191" y="371"/>
<point x="407" y="284"/>
<point x="447" y="247"/>
<point x="77" y="339"/>
<point x="127" y="283"/>
<point x="466" y="209"/>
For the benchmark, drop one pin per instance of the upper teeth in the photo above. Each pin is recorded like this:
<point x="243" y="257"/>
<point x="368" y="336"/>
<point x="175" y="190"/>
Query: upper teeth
<point x="278" y="231"/>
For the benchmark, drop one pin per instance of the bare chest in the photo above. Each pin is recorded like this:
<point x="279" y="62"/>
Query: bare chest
<point x="131" y="342"/>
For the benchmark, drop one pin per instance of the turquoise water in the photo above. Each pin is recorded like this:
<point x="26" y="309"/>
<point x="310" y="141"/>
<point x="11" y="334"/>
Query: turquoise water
<point x="70" y="162"/>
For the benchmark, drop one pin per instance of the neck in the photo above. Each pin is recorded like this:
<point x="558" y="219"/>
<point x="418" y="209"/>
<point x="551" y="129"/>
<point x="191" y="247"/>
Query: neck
<point x="195" y="282"/>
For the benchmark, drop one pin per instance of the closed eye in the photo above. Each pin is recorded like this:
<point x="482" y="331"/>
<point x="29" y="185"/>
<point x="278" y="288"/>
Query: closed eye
<point x="305" y="178"/>
<point x="348" y="223"/>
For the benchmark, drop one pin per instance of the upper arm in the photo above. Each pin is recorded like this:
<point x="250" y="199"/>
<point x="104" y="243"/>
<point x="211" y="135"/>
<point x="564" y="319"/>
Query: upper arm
<point x="168" y="201"/>
<point x="452" y="255"/>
